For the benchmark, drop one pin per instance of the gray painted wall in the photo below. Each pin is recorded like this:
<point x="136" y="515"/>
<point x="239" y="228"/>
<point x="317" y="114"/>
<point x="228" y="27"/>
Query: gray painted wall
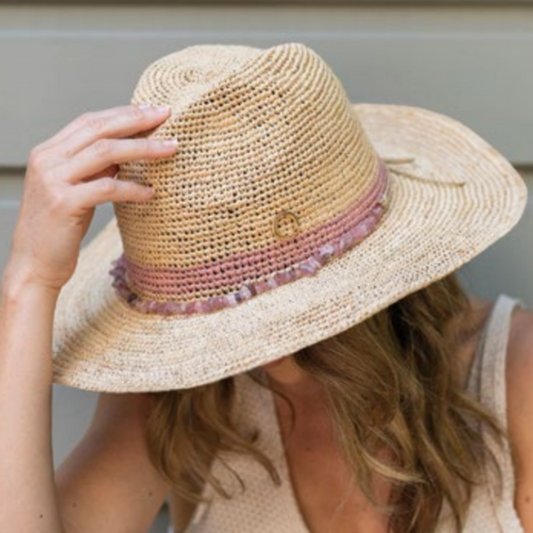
<point x="58" y="61"/>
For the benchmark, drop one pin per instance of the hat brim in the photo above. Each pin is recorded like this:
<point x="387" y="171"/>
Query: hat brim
<point x="428" y="231"/>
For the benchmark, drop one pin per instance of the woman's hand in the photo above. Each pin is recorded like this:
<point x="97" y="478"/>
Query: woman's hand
<point x="67" y="176"/>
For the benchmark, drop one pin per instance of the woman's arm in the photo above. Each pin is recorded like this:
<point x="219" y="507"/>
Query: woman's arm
<point x="27" y="500"/>
<point x="105" y="484"/>
<point x="519" y="370"/>
<point x="108" y="483"/>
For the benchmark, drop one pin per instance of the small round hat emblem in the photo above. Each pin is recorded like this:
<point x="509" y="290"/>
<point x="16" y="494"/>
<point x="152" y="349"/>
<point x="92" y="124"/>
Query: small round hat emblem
<point x="286" y="224"/>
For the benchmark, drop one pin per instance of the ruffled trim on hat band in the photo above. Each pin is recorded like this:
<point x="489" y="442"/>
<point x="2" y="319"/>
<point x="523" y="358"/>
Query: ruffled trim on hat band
<point x="307" y="267"/>
<point x="229" y="273"/>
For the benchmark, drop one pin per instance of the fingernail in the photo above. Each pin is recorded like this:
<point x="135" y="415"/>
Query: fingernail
<point x="147" y="106"/>
<point x="170" y="142"/>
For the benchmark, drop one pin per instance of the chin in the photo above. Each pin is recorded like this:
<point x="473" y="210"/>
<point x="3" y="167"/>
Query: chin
<point x="283" y="370"/>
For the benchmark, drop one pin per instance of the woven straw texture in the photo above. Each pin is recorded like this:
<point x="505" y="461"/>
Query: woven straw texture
<point x="288" y="214"/>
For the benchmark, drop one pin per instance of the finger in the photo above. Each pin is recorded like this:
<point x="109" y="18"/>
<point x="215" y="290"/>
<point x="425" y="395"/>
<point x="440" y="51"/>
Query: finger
<point x="106" y="152"/>
<point x="109" y="171"/>
<point x="91" y="120"/>
<point x="75" y="124"/>
<point x="92" y="193"/>
<point x="114" y="124"/>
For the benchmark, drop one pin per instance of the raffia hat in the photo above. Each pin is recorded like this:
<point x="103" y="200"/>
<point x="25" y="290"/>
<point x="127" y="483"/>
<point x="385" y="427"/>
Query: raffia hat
<point x="287" y="215"/>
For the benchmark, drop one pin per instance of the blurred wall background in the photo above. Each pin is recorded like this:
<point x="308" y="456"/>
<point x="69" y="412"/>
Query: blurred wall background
<point x="469" y="60"/>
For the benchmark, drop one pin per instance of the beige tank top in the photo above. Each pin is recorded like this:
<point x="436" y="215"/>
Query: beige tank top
<point x="266" y="508"/>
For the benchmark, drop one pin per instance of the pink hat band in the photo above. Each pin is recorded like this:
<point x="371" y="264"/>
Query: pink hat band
<point x="255" y="272"/>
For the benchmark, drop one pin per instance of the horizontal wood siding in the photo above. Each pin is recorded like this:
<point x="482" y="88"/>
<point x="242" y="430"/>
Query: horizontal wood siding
<point x="469" y="63"/>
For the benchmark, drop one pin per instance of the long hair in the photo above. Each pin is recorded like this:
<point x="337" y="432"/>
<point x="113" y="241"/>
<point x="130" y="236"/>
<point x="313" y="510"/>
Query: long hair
<point x="392" y="382"/>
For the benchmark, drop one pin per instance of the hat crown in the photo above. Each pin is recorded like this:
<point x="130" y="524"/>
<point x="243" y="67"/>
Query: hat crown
<point x="272" y="163"/>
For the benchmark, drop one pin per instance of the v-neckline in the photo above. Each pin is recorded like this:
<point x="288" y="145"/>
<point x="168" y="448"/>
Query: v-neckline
<point x="285" y="474"/>
<point x="270" y="405"/>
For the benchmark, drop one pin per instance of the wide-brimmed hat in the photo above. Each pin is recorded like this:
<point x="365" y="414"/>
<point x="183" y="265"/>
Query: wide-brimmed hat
<point x="287" y="215"/>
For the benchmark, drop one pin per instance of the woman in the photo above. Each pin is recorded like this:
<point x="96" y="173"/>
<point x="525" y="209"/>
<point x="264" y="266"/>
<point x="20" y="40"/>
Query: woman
<point x="382" y="403"/>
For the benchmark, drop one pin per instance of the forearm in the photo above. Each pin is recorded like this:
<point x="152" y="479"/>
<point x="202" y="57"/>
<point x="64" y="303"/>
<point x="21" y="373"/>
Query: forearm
<point x="27" y="487"/>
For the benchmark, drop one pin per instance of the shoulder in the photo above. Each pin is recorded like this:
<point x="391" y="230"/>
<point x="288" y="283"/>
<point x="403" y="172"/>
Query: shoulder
<point x="519" y="380"/>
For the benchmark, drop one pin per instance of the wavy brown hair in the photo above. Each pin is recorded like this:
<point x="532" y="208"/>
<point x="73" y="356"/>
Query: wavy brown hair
<point x="392" y="383"/>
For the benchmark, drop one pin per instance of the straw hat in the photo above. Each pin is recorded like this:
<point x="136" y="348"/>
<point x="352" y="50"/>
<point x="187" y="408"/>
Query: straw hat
<point x="287" y="215"/>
